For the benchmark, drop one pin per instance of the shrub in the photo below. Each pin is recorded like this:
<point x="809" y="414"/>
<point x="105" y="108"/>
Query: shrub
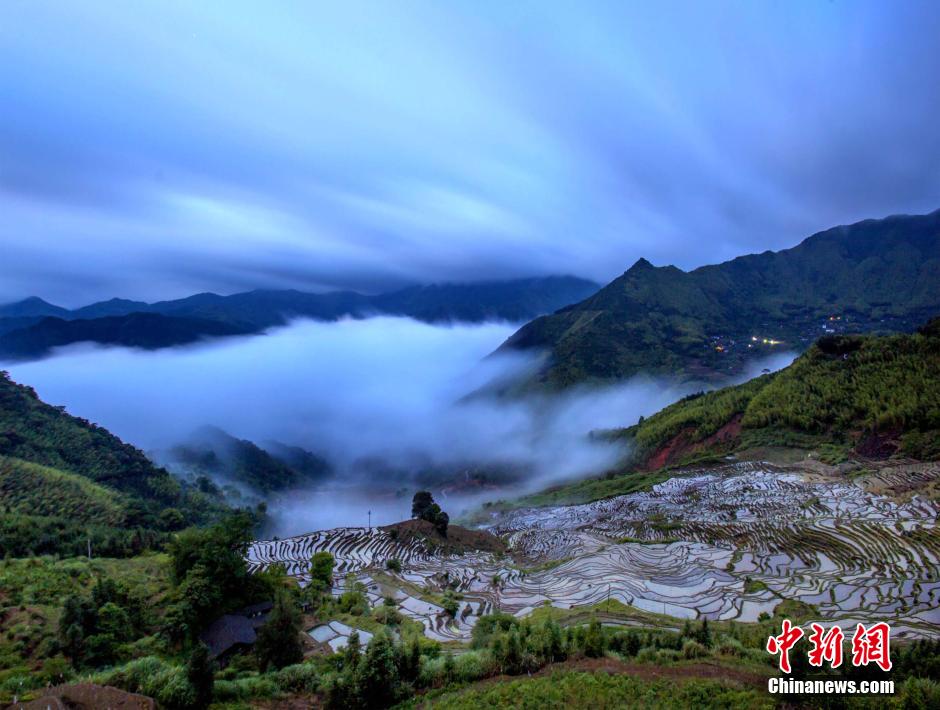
<point x="693" y="649"/>
<point x="731" y="647"/>
<point x="667" y="655"/>
<point x="920" y="694"/>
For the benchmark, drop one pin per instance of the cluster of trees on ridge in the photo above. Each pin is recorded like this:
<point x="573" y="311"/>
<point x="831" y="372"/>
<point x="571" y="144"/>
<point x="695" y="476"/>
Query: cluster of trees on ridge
<point x="423" y="507"/>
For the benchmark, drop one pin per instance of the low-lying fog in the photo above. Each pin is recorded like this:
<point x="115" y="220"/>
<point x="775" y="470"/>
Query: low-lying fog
<point x="386" y="390"/>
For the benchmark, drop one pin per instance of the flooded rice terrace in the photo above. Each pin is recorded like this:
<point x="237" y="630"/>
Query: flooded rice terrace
<point x="727" y="542"/>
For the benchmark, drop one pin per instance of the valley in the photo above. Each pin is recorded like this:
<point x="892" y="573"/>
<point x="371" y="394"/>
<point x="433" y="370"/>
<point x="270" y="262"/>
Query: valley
<point x="577" y="356"/>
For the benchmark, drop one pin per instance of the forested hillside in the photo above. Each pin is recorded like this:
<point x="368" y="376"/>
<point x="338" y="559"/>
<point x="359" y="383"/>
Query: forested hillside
<point x="215" y="454"/>
<point x="64" y="479"/>
<point x="136" y="330"/>
<point x="876" y="275"/>
<point x="878" y="396"/>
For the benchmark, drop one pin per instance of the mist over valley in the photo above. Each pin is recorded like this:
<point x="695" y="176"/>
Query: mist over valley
<point x="388" y="404"/>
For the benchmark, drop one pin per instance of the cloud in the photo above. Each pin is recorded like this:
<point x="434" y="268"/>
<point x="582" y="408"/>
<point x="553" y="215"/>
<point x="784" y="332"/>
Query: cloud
<point x="156" y="151"/>
<point x="383" y="399"/>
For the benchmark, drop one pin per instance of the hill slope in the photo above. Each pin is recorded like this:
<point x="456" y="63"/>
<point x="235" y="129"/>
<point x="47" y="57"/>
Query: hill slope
<point x="60" y="474"/>
<point x="873" y="275"/>
<point x="137" y="330"/>
<point x="877" y="396"/>
<point x="221" y="457"/>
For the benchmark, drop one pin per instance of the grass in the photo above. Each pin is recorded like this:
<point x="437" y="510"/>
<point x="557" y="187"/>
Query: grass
<point x="575" y="493"/>
<point x="637" y="541"/>
<point x="614" y="610"/>
<point x="573" y="689"/>
<point x="544" y="566"/>
<point x="752" y="586"/>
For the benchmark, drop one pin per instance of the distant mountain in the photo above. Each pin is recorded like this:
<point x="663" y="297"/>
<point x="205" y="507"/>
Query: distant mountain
<point x="873" y="396"/>
<point x="32" y="307"/>
<point x="113" y="307"/>
<point x="308" y="466"/>
<point x="65" y="481"/>
<point x="24" y="333"/>
<point x="518" y="300"/>
<point x="876" y="275"/>
<point x="225" y="459"/>
<point x="262" y="309"/>
<point x="138" y="330"/>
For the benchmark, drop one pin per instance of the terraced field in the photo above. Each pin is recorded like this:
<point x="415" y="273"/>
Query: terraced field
<point x="723" y="543"/>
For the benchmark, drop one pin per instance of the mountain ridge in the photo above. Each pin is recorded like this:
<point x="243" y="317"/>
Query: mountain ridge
<point x="708" y="322"/>
<point x="32" y="326"/>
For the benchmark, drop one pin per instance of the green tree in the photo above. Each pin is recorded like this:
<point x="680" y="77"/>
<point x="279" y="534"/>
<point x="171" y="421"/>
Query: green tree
<point x="199" y="672"/>
<point x="554" y="642"/>
<point x="595" y="643"/>
<point x="114" y="620"/>
<point x="411" y="660"/>
<point x="352" y="652"/>
<point x="450" y="604"/>
<point x="321" y="569"/>
<point x="420" y="503"/>
<point x="211" y="573"/>
<point x="377" y="679"/>
<point x="513" y="653"/>
<point x="703" y="635"/>
<point x="76" y="620"/>
<point x="278" y="644"/>
<point x="441" y="522"/>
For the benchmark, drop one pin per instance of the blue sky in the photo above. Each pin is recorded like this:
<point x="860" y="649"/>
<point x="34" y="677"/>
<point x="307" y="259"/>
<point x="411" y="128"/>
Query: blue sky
<point x="156" y="149"/>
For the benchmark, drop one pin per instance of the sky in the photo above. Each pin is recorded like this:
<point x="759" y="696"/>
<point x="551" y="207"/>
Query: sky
<point x="156" y="149"/>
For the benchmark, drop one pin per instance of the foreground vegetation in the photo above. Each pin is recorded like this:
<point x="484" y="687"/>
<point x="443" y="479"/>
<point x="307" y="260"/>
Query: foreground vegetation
<point x="601" y="689"/>
<point x="134" y="624"/>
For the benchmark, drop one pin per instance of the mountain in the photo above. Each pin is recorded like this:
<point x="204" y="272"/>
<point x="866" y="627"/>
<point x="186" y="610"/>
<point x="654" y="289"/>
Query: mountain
<point x="32" y="307"/>
<point x="518" y="300"/>
<point x="28" y="331"/>
<point x="64" y="480"/>
<point x="873" y="396"/>
<point x="876" y="275"/>
<point x="138" y="330"/>
<point x="261" y="309"/>
<point x="8" y="325"/>
<point x="223" y="458"/>
<point x="112" y="307"/>
<point x="308" y="466"/>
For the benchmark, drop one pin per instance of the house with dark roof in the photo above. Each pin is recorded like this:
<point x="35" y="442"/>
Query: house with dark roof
<point x="235" y="633"/>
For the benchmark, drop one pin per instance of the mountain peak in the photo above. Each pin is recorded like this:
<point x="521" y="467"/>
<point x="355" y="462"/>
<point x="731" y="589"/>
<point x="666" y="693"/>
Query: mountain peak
<point x="641" y="265"/>
<point x="30" y="307"/>
<point x="873" y="275"/>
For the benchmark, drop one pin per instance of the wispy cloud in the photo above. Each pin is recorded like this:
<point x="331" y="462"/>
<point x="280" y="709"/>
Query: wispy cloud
<point x="153" y="150"/>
